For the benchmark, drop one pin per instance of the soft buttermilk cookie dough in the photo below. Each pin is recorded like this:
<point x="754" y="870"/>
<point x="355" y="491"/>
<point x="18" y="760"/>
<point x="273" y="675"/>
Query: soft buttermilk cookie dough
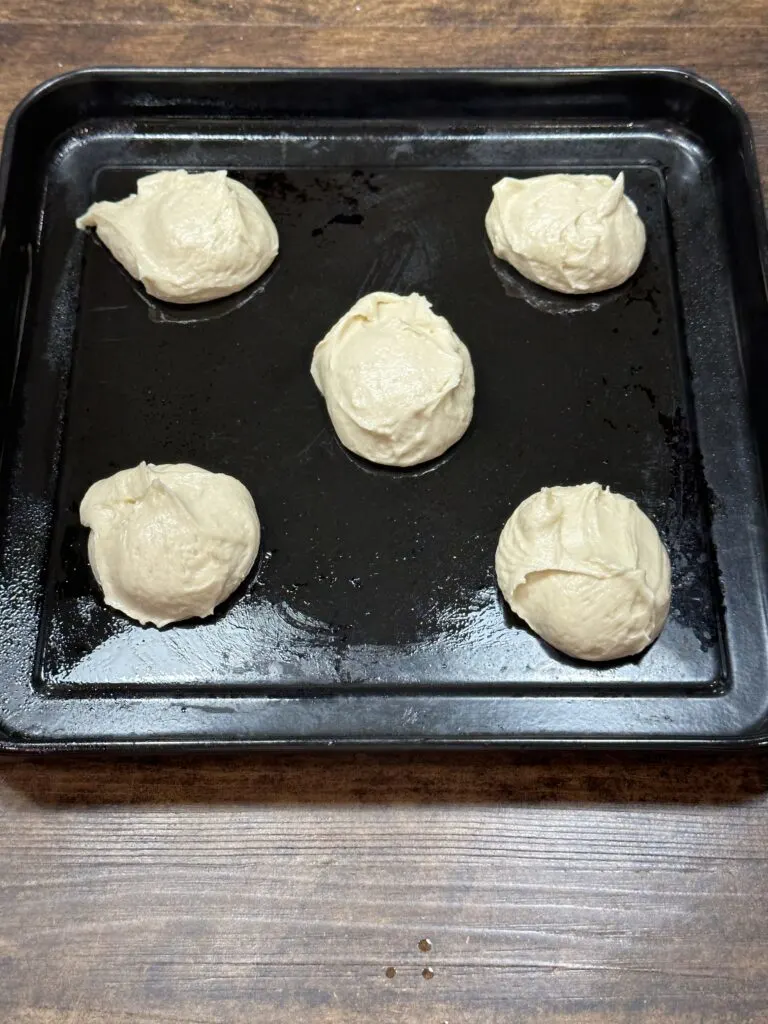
<point x="573" y="233"/>
<point x="187" y="237"/>
<point x="398" y="383"/>
<point x="169" y="542"/>
<point x="587" y="571"/>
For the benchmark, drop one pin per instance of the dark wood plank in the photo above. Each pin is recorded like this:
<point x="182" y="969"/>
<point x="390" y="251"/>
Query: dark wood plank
<point x="282" y="888"/>
<point x="595" y="890"/>
<point x="492" y="13"/>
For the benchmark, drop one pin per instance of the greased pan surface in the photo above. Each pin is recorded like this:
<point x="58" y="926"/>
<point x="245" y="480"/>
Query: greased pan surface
<point x="373" y="615"/>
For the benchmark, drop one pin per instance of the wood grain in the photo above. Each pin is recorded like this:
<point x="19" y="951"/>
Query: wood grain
<point x="593" y="890"/>
<point x="281" y="889"/>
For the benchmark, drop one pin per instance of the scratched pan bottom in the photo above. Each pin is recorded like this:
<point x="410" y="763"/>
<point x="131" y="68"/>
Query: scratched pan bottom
<point x="372" y="615"/>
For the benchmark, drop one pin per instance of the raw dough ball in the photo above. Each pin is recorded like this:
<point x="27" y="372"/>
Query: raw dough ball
<point x="573" y="233"/>
<point x="398" y="383"/>
<point x="587" y="571"/>
<point x="187" y="237"/>
<point x="169" y="542"/>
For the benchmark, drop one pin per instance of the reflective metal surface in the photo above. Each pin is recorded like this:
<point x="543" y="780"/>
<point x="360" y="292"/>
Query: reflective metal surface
<point x="374" y="592"/>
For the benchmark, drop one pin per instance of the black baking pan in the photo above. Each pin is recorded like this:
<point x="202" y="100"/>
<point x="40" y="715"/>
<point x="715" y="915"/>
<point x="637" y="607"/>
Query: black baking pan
<point x="372" y="617"/>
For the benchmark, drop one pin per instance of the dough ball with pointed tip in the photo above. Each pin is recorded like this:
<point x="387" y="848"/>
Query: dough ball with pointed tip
<point x="574" y="233"/>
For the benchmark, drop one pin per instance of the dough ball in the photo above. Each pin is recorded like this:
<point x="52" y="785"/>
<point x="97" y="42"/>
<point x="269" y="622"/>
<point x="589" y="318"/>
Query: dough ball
<point x="573" y="233"/>
<point x="587" y="571"/>
<point x="398" y="383"/>
<point x="187" y="237"/>
<point x="169" y="542"/>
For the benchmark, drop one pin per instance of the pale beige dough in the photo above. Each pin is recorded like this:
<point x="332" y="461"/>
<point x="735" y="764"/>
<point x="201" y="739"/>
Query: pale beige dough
<point x="587" y="570"/>
<point x="188" y="237"/>
<point x="169" y="542"/>
<point x="573" y="233"/>
<point x="397" y="381"/>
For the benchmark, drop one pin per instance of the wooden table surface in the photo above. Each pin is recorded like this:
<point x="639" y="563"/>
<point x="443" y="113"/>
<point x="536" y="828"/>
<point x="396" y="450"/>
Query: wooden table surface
<point x="278" y="889"/>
